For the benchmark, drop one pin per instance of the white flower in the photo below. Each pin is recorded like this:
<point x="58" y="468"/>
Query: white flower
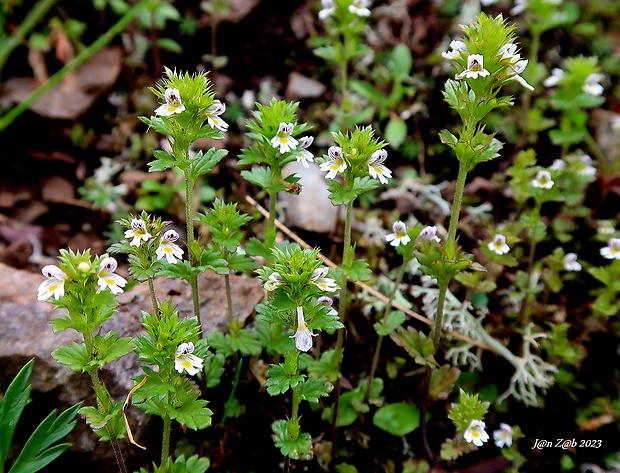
<point x="509" y="52"/>
<point x="558" y="165"/>
<point x="570" y="262"/>
<point x="458" y="47"/>
<point x="543" y="180"/>
<point x="273" y="281"/>
<point x="515" y="69"/>
<point x="428" y="234"/>
<point x="173" y="104"/>
<point x="498" y="245"/>
<point x="283" y="138"/>
<point x="107" y="278"/>
<point x="503" y="436"/>
<point x="54" y="285"/>
<point x="487" y="2"/>
<point x="612" y="250"/>
<point x="475" y="68"/>
<point x="475" y="433"/>
<point x="168" y="248"/>
<point x="585" y="166"/>
<point x="328" y="9"/>
<point x="327" y="302"/>
<point x="184" y="360"/>
<point x="605" y="227"/>
<point x="335" y="164"/>
<point x="592" y="85"/>
<point x="213" y="116"/>
<point x="360" y="8"/>
<point x="376" y="169"/>
<point x="519" y="7"/>
<point x="399" y="236"/>
<point x="137" y="232"/>
<point x="303" y="336"/>
<point x="305" y="155"/>
<point x="554" y="79"/>
<point x="319" y="280"/>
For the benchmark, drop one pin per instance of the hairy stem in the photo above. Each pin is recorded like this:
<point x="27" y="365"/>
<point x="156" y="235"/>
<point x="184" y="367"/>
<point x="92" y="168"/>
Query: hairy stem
<point x="189" y="223"/>
<point x="153" y="296"/>
<point x="165" y="442"/>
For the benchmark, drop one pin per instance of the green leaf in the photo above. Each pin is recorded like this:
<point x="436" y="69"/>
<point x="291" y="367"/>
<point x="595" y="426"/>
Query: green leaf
<point x="192" y="414"/>
<point x="442" y="381"/>
<point x="401" y="61"/>
<point x="214" y="369"/>
<point x="418" y="345"/>
<point x="179" y="270"/>
<point x="264" y="178"/>
<point x="38" y="450"/>
<point x="313" y="389"/>
<point x="395" y="132"/>
<point x="280" y="381"/>
<point x="327" y="367"/>
<point x="297" y="446"/>
<point x="12" y="406"/>
<point x="398" y="419"/>
<point x="74" y="356"/>
<point x="171" y="45"/>
<point x="204" y="163"/>
<point x="163" y="160"/>
<point x="246" y="342"/>
<point x="358" y="271"/>
<point x="390" y="323"/>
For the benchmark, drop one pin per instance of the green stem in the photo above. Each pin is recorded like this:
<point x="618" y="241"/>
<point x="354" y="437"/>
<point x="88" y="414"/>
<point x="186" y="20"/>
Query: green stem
<point x="231" y="398"/>
<point x="189" y="224"/>
<point x="165" y="443"/>
<point x="270" y="234"/>
<point x="594" y="147"/>
<point x="229" y="302"/>
<point x="153" y="296"/>
<point x="80" y="59"/>
<point x="456" y="205"/>
<point x="386" y="312"/>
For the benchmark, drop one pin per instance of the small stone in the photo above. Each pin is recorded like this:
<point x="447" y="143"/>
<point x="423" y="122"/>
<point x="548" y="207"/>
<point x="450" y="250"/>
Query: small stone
<point x="302" y="87"/>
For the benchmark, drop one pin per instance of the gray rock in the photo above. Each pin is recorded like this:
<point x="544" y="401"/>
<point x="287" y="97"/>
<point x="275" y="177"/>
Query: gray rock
<point x="302" y="87"/>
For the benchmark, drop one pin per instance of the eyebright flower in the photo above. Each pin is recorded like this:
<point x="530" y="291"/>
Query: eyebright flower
<point x="475" y="68"/>
<point x="173" y="104"/>
<point x="475" y="433"/>
<point x="509" y="52"/>
<point x="213" y="116"/>
<point x="336" y="163"/>
<point x="283" y="138"/>
<point x="503" y="436"/>
<point x="376" y="169"/>
<point x="273" y="281"/>
<point x="458" y="47"/>
<point x="304" y="156"/>
<point x="570" y="262"/>
<point x="303" y="336"/>
<point x="328" y="302"/>
<point x="360" y="8"/>
<point x="605" y="227"/>
<point x="592" y="86"/>
<point x="543" y="180"/>
<point x="328" y="9"/>
<point x="498" y="245"/>
<point x="427" y="234"/>
<point x="585" y="166"/>
<point x="54" y="285"/>
<point x="137" y="232"/>
<point x="554" y="79"/>
<point x="558" y="165"/>
<point x="184" y="360"/>
<point x="515" y="69"/>
<point x="399" y="236"/>
<point x="168" y="248"/>
<point x="319" y="280"/>
<point x="612" y="250"/>
<point x="107" y="278"/>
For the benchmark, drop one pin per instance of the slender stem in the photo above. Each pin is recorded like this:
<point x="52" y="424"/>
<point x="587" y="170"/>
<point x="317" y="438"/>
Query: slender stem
<point x="229" y="302"/>
<point x="189" y="223"/>
<point x="165" y="443"/>
<point x="153" y="296"/>
<point x="594" y="147"/>
<point x="456" y="205"/>
<point x="233" y="390"/>
<point x="270" y="234"/>
<point x="443" y="290"/>
<point x="386" y="312"/>
<point x="80" y="59"/>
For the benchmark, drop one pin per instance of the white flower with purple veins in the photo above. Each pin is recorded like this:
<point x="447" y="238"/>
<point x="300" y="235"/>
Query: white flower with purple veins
<point x="400" y="236"/>
<point x="585" y="166"/>
<point x="54" y="285"/>
<point x="475" y="433"/>
<point x="327" y="302"/>
<point x="554" y="79"/>
<point x="498" y="245"/>
<point x="503" y="436"/>
<point x="612" y="250"/>
<point x="515" y="69"/>
<point x="303" y="336"/>
<point x="185" y="361"/>
<point x="273" y="281"/>
<point x="325" y="284"/>
<point x="168" y="248"/>
<point x="570" y="262"/>
<point x="509" y="52"/>
<point x="328" y="9"/>
<point x="173" y="104"/>
<point x="543" y="180"/>
<point x="592" y="86"/>
<point x="458" y="47"/>
<point x="107" y="278"/>
<point x="376" y="169"/>
<point x="304" y="156"/>
<point x="213" y="116"/>
<point x="428" y="234"/>
<point x="335" y="164"/>
<point x="360" y="7"/>
<point x="137" y="232"/>
<point x="283" y="138"/>
<point x="475" y="68"/>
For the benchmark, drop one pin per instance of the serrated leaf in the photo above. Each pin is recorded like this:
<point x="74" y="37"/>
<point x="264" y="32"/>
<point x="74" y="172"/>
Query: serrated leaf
<point x="279" y="381"/>
<point x="204" y="163"/>
<point x="246" y="342"/>
<point x="358" y="271"/>
<point x="312" y="390"/>
<point x="74" y="356"/>
<point x="390" y="323"/>
<point x="417" y="344"/>
<point x="214" y="369"/>
<point x="295" y="448"/>
<point x="163" y="160"/>
<point x="192" y="414"/>
<point x="442" y="381"/>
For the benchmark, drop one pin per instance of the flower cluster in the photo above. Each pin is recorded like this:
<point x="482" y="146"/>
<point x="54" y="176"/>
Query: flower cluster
<point x="476" y="434"/>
